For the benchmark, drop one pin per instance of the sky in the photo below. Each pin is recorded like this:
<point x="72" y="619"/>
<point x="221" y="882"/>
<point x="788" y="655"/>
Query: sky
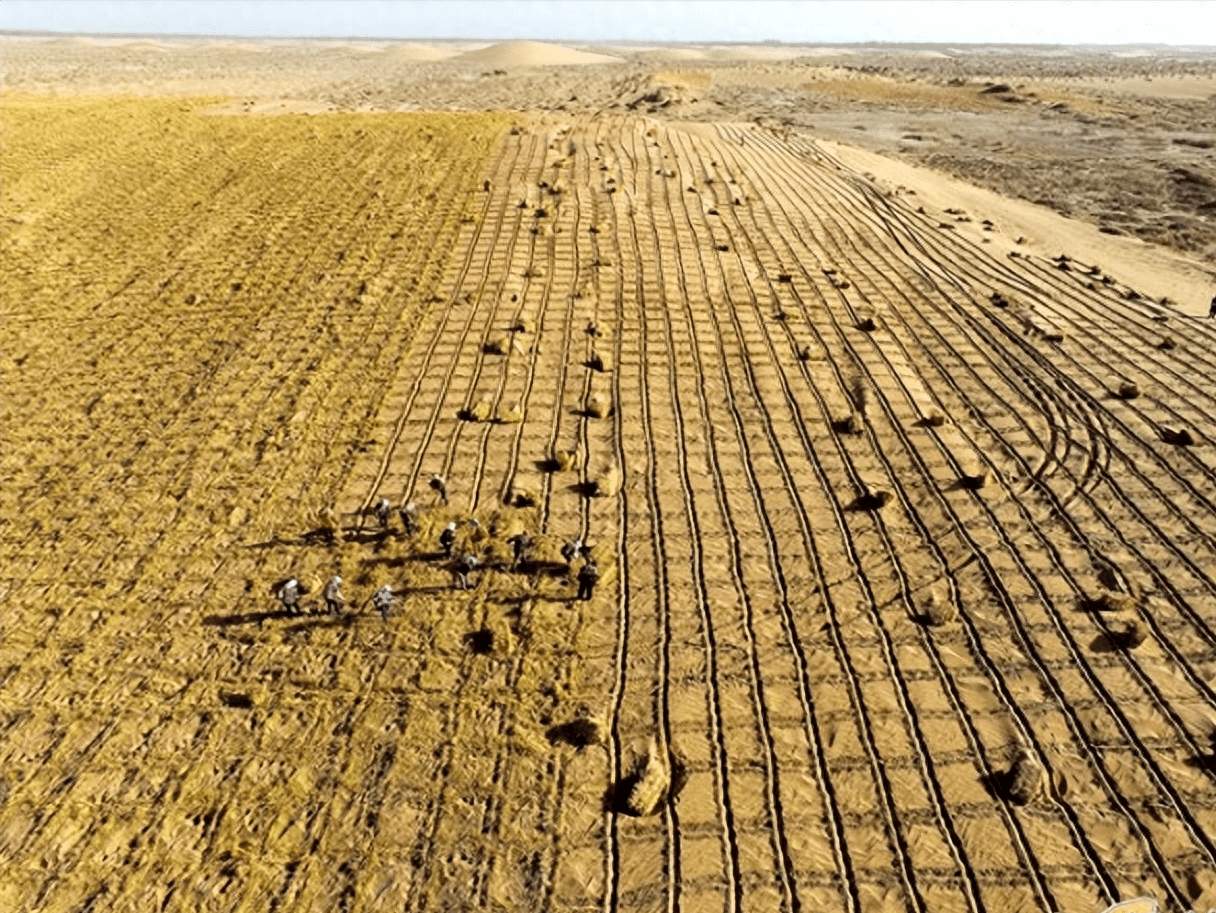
<point x="1180" y="22"/>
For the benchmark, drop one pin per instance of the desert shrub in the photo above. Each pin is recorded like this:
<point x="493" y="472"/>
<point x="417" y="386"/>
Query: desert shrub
<point x="521" y="496"/>
<point x="1128" y="633"/>
<point x="872" y="499"/>
<point x="565" y="460"/>
<point x="597" y="406"/>
<point x="512" y="416"/>
<point x="478" y="412"/>
<point x="975" y="481"/>
<point x="939" y="610"/>
<point x="1128" y="390"/>
<point x="650" y="788"/>
<point x="1180" y="437"/>
<point x="850" y="423"/>
<point x="606" y="482"/>
<point x="1025" y="778"/>
<point x="580" y="733"/>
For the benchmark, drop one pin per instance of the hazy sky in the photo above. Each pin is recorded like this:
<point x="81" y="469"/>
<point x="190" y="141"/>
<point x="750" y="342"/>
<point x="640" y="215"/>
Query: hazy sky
<point x="1185" y="22"/>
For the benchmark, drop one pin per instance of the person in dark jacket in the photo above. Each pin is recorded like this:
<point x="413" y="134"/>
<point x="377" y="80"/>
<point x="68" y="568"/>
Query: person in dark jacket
<point x="409" y="518"/>
<point x="447" y="539"/>
<point x="588" y="577"/>
<point x="520" y="543"/>
<point x="462" y="568"/>
<point x="381" y="510"/>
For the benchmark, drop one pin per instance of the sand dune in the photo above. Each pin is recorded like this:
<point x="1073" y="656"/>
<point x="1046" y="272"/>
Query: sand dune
<point x="532" y="54"/>
<point x="420" y="52"/>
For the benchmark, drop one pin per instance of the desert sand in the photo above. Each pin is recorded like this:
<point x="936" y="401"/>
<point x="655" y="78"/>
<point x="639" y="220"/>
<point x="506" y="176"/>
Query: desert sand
<point x="877" y="380"/>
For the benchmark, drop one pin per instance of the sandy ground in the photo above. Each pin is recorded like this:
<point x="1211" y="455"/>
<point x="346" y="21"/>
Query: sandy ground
<point x="882" y="468"/>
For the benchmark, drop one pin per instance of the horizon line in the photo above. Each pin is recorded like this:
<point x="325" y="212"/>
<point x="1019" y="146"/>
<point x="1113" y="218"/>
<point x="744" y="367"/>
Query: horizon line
<point x="773" y="42"/>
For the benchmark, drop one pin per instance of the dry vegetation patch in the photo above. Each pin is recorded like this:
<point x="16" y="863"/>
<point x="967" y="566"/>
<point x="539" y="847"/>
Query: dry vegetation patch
<point x="202" y="315"/>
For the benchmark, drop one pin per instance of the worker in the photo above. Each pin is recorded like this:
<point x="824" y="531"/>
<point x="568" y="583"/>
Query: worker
<point x="382" y="599"/>
<point x="289" y="595"/>
<point x="571" y="551"/>
<point x="409" y="518"/>
<point x="447" y="539"/>
<point x="520" y="543"/>
<point x="331" y="529"/>
<point x="463" y="567"/>
<point x="588" y="576"/>
<point x="381" y="510"/>
<point x="334" y="600"/>
<point x="441" y="487"/>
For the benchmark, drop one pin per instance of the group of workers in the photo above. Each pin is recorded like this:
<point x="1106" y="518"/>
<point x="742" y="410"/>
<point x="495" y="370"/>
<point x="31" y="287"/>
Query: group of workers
<point x="462" y="563"/>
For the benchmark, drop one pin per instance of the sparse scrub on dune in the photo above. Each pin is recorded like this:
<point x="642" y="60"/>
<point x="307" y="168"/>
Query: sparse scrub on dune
<point x="849" y="423"/>
<point x="521" y="495"/>
<point x="933" y="419"/>
<point x="499" y="345"/>
<point x="1026" y="778"/>
<point x="1128" y="390"/>
<point x="597" y="406"/>
<point x="580" y="733"/>
<point x="872" y="498"/>
<point x="1128" y="633"/>
<point x="566" y="460"/>
<point x="1179" y="437"/>
<point x="1111" y="601"/>
<point x="480" y="411"/>
<point x="939" y="610"/>
<point x="653" y="781"/>
<point x="867" y="324"/>
<point x="859" y="393"/>
<point x="512" y="415"/>
<point x="975" y="480"/>
<point x="606" y="482"/>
